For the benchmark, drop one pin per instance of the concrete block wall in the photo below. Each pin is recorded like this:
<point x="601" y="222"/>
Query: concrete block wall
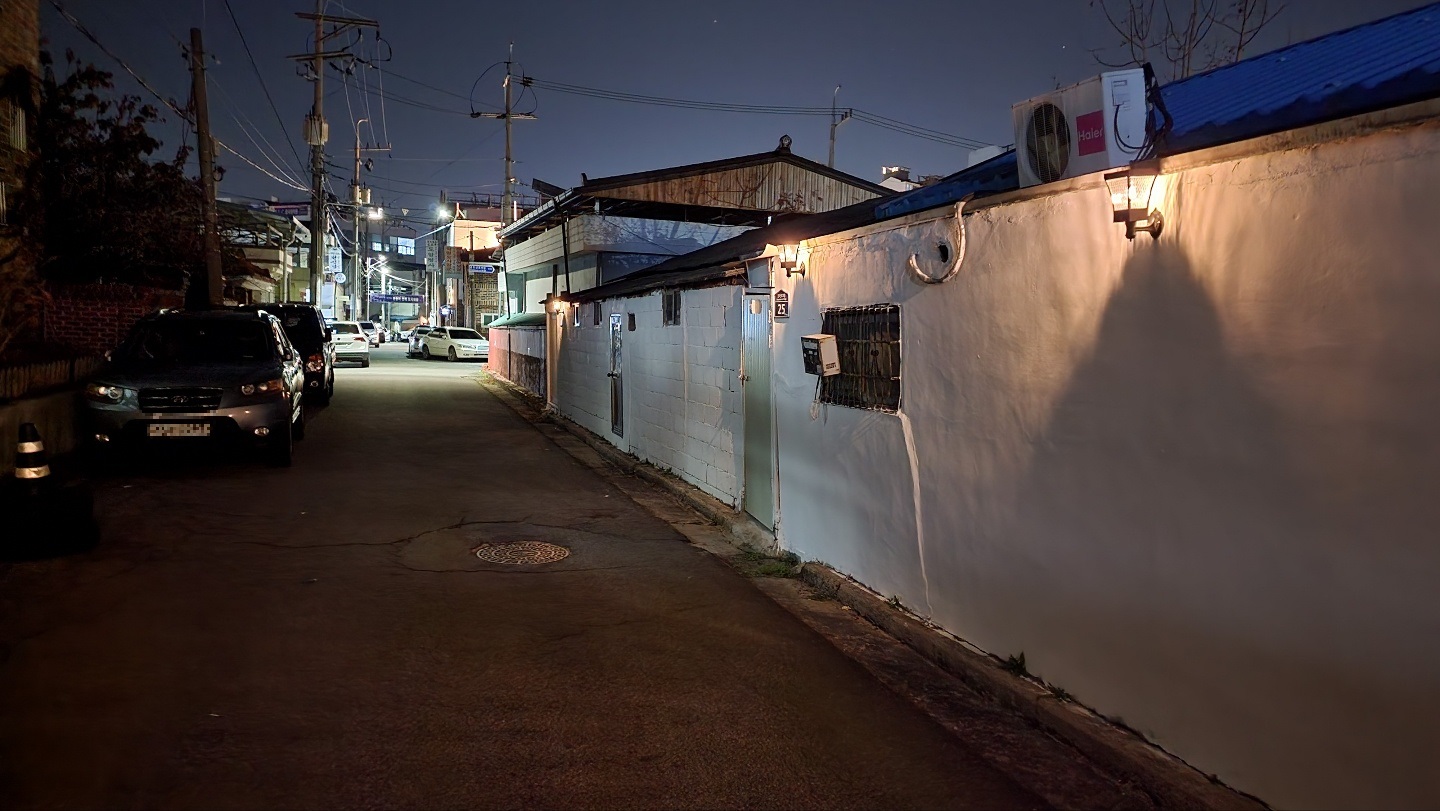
<point x="583" y="393"/>
<point x="517" y="354"/>
<point x="681" y="387"/>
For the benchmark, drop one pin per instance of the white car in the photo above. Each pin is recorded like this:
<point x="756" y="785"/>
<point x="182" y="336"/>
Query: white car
<point x="454" y="343"/>
<point x="371" y="332"/>
<point x="351" y="342"/>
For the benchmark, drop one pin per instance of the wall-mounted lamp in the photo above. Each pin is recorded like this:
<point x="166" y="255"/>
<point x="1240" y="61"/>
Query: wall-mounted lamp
<point x="375" y="213"/>
<point x="790" y="261"/>
<point x="1130" y="190"/>
<point x="557" y="304"/>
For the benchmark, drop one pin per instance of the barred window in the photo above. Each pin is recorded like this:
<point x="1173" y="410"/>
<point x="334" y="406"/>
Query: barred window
<point x="868" y="340"/>
<point x="17" y="127"/>
<point x="596" y="313"/>
<point x="671" y="305"/>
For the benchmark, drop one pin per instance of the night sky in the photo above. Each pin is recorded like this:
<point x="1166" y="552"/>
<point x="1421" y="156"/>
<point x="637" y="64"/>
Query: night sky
<point x="951" y="66"/>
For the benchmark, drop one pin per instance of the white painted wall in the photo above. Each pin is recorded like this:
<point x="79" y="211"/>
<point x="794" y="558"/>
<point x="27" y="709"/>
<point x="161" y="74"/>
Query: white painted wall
<point x="682" y="398"/>
<point x="1193" y="480"/>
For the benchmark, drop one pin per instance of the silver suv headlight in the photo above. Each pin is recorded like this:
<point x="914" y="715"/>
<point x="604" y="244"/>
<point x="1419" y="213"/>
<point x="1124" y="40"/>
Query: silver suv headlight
<point x="270" y="387"/>
<point x="105" y="393"/>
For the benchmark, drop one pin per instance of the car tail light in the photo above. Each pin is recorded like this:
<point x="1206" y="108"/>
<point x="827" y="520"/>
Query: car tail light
<point x="360" y="338"/>
<point x="315" y="363"/>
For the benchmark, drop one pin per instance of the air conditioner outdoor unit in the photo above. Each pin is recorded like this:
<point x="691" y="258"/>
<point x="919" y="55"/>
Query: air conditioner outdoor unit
<point x="1088" y="127"/>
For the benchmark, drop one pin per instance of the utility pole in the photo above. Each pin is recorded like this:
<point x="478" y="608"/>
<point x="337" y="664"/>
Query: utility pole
<point x="507" y="215"/>
<point x="214" y="280"/>
<point x="360" y="199"/>
<point x="835" y="124"/>
<point x="317" y="132"/>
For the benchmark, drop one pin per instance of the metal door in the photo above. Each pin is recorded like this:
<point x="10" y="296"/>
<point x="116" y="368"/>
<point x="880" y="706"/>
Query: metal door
<point x="617" y="390"/>
<point x="759" y="494"/>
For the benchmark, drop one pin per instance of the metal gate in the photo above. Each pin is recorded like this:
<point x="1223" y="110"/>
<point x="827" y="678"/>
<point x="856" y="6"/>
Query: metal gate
<point x="759" y="494"/>
<point x="617" y="388"/>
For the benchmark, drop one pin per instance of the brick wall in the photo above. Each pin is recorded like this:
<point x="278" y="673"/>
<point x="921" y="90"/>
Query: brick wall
<point x="95" y="317"/>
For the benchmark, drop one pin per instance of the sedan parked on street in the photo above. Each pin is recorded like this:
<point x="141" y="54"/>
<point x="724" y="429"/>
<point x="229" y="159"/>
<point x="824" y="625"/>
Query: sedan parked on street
<point x="351" y="344"/>
<point x="372" y="332"/>
<point x="416" y="340"/>
<point x="186" y="376"/>
<point x="455" y="343"/>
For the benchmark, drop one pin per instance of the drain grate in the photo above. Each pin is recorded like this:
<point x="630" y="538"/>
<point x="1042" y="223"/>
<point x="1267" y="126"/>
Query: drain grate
<point x="521" y="552"/>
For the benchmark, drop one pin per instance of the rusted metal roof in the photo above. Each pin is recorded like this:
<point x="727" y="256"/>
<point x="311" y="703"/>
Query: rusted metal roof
<point x="746" y="190"/>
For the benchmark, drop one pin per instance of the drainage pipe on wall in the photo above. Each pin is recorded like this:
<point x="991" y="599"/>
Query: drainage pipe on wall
<point x="951" y="255"/>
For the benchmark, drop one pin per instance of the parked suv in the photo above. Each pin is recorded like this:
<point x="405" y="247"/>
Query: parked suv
<point x="184" y="376"/>
<point x="372" y="332"/>
<point x="305" y="326"/>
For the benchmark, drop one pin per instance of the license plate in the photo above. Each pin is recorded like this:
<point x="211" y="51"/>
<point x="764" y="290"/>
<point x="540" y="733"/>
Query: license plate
<point x="179" y="429"/>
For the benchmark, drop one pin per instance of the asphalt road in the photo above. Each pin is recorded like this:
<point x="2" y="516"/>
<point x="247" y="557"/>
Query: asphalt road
<point x="324" y="636"/>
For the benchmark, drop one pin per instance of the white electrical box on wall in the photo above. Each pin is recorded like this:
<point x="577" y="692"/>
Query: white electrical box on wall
<point x="822" y="355"/>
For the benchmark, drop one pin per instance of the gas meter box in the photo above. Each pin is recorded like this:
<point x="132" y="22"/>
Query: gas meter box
<point x="822" y="355"/>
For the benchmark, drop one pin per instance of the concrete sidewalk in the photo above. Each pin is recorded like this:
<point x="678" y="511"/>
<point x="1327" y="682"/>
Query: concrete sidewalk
<point x="911" y="656"/>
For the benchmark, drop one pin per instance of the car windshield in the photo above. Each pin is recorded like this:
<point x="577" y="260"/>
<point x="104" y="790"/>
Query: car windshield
<point x="199" y="341"/>
<point x="464" y="333"/>
<point x="351" y="328"/>
<point x="367" y="326"/>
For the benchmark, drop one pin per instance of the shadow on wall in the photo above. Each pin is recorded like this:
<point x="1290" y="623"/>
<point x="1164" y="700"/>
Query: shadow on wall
<point x="1182" y="574"/>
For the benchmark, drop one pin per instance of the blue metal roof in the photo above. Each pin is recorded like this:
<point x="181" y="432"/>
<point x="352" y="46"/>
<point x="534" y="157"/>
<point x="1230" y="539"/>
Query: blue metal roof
<point x="1381" y="64"/>
<point x="1000" y="173"/>
<point x="1370" y="67"/>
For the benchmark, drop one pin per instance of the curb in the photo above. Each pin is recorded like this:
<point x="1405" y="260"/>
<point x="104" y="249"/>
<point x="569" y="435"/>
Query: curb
<point x="1170" y="781"/>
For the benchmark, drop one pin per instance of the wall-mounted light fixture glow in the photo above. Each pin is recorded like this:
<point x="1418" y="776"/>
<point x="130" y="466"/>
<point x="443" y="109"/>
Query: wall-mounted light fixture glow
<point x="375" y="213"/>
<point x="790" y="260"/>
<point x="557" y="304"/>
<point x="1130" y="192"/>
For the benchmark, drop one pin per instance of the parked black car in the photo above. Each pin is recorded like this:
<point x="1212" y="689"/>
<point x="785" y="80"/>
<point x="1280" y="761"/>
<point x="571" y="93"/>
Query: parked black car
<point x="182" y="377"/>
<point x="305" y="327"/>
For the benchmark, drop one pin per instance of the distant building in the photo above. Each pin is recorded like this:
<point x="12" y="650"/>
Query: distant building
<point x="608" y="228"/>
<point x="19" y="91"/>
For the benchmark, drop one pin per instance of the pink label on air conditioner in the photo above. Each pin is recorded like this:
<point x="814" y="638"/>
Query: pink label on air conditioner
<point x="1090" y="131"/>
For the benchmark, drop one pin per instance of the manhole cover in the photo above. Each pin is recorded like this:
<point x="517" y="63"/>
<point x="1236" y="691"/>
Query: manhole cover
<point x="522" y="552"/>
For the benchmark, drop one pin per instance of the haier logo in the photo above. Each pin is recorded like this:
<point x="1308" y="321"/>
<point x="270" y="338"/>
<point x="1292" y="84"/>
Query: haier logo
<point x="1090" y="133"/>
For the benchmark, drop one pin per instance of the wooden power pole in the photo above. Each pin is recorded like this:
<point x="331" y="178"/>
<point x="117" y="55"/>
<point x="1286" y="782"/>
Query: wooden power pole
<point x="214" y="280"/>
<point x="317" y="130"/>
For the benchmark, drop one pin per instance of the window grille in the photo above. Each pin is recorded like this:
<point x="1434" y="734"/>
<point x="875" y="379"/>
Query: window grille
<point x="868" y="340"/>
<point x="671" y="305"/>
<point x="17" y="127"/>
<point x="596" y="312"/>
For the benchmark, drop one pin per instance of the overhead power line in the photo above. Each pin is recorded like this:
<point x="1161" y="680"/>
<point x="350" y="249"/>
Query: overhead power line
<point x="873" y="119"/>
<point x="184" y="116"/>
<point x="260" y="78"/>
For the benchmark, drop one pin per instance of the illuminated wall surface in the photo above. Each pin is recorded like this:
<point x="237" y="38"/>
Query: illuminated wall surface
<point x="682" y="401"/>
<point x="1193" y="480"/>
